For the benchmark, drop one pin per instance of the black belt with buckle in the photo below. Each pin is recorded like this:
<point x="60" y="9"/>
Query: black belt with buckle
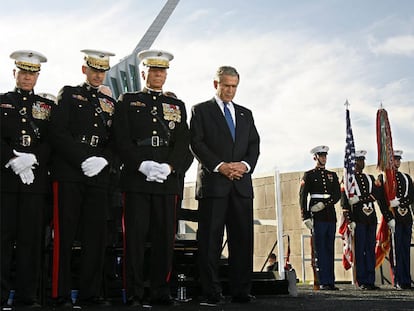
<point x="26" y="141"/>
<point x="92" y="140"/>
<point x="153" y="141"/>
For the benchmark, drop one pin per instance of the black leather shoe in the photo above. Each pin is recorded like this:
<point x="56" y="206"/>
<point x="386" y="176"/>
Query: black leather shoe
<point x="32" y="305"/>
<point x="163" y="301"/>
<point x="243" y="299"/>
<point x="134" y="302"/>
<point x="403" y="286"/>
<point x="373" y="287"/>
<point x="213" y="301"/>
<point x="96" y="302"/>
<point x="63" y="304"/>
<point x="328" y="287"/>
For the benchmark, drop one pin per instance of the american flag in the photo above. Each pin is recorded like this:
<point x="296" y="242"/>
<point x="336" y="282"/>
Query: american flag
<point x="349" y="188"/>
<point x="349" y="160"/>
<point x="347" y="255"/>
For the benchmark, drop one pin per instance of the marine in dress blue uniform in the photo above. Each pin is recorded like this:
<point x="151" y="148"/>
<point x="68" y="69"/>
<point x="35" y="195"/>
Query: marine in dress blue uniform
<point x="81" y="127"/>
<point x="400" y="222"/>
<point x="319" y="192"/>
<point x="360" y="212"/>
<point x="152" y="138"/>
<point x="24" y="179"/>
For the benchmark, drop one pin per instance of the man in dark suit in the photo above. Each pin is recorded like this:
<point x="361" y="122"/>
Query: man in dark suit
<point x="82" y="158"/>
<point x="225" y="142"/>
<point x="24" y="159"/>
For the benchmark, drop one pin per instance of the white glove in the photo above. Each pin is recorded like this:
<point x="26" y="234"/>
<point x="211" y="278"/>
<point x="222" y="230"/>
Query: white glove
<point x="317" y="207"/>
<point x="308" y="223"/>
<point x="147" y="166"/>
<point x="391" y="225"/>
<point x="154" y="175"/>
<point x="164" y="169"/>
<point x="22" y="161"/>
<point x="93" y="165"/>
<point x="27" y="176"/>
<point x="352" y="226"/>
<point x="353" y="200"/>
<point x="159" y="172"/>
<point x="395" y="202"/>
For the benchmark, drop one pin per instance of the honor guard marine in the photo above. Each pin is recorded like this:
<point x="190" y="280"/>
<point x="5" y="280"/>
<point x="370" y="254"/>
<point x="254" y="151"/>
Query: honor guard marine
<point x="319" y="192"/>
<point x="398" y="213"/>
<point x="359" y="210"/>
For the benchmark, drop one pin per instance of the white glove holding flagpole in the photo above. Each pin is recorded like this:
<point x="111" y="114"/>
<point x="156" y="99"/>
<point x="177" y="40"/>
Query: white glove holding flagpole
<point x="391" y="225"/>
<point x="352" y="226"/>
<point x="353" y="200"/>
<point x="395" y="202"/>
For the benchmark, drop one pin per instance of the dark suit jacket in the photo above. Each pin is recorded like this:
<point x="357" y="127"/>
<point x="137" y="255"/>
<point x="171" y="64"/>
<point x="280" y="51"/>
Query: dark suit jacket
<point x="211" y="144"/>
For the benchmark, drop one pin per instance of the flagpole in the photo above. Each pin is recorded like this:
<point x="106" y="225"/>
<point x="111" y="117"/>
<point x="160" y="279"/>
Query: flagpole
<point x="350" y="182"/>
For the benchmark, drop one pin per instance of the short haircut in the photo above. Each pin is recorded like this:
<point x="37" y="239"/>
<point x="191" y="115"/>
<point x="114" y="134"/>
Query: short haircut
<point x="226" y="70"/>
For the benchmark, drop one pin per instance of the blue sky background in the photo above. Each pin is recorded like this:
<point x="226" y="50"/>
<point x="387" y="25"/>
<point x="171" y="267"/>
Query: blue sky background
<point x="299" y="62"/>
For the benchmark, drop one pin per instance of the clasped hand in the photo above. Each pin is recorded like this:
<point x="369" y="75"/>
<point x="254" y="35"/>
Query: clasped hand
<point x="155" y="171"/>
<point x="93" y="165"/>
<point x="233" y="170"/>
<point x="23" y="164"/>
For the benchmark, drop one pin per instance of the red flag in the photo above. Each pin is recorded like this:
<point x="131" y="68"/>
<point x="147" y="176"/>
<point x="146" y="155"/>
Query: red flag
<point x="386" y="154"/>
<point x="383" y="242"/>
<point x="386" y="165"/>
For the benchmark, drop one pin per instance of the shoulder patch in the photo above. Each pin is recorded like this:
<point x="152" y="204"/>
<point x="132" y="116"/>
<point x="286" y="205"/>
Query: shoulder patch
<point x="7" y="106"/>
<point x="79" y="97"/>
<point x="137" y="104"/>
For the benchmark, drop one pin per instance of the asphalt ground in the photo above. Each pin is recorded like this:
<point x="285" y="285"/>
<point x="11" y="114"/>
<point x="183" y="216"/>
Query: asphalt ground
<point x="347" y="298"/>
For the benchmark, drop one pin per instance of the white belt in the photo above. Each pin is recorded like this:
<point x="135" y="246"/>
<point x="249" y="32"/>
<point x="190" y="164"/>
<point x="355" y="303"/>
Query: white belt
<point x="320" y="196"/>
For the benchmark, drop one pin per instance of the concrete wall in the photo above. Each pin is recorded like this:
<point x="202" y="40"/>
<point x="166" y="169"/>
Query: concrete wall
<point x="265" y="235"/>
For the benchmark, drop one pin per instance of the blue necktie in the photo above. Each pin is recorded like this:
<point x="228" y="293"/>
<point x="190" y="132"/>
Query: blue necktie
<point x="229" y="120"/>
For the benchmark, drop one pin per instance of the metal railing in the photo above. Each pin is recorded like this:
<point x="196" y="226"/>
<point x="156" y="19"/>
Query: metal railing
<point x="309" y="258"/>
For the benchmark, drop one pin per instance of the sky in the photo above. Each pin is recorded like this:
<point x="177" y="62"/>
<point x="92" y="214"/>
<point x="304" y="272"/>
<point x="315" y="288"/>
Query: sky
<point x="299" y="62"/>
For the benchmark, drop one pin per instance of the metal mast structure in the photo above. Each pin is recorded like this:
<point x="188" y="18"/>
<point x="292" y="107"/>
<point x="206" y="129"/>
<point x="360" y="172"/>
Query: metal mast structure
<point x="124" y="76"/>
